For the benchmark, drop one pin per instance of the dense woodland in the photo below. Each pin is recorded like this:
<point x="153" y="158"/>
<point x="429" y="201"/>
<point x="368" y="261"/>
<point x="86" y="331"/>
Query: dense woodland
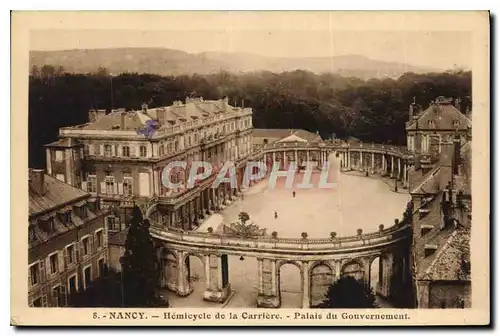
<point x="373" y="111"/>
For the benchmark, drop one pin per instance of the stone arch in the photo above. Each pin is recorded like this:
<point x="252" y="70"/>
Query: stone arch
<point x="195" y="269"/>
<point x="168" y="262"/>
<point x="375" y="263"/>
<point x="354" y="268"/>
<point x="279" y="265"/>
<point x="321" y="275"/>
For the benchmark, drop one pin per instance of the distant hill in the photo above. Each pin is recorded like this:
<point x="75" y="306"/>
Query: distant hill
<point x="175" y="62"/>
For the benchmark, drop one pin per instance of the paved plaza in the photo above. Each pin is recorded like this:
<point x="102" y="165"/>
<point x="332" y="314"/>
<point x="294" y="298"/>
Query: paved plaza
<point x="355" y="202"/>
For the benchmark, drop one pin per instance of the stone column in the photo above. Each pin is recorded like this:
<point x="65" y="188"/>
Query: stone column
<point x="423" y="293"/>
<point x="216" y="290"/>
<point x="373" y="161"/>
<point x="361" y="159"/>
<point x="392" y="166"/>
<point x="366" y="276"/>
<point x="268" y="295"/>
<point x="296" y="157"/>
<point x="306" y="287"/>
<point x="384" y="164"/>
<point x="399" y="169"/>
<point x="173" y="218"/>
<point x="307" y="155"/>
<point x="274" y="157"/>
<point x="183" y="286"/>
<point x="348" y="160"/>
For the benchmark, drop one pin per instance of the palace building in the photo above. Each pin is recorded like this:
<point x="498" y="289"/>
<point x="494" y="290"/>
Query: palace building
<point x="67" y="240"/>
<point x="120" y="157"/>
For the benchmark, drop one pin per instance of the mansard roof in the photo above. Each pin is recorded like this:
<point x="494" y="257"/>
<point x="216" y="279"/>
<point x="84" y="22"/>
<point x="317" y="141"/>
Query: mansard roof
<point x="55" y="194"/>
<point x="451" y="259"/>
<point x="443" y="113"/>
<point x="177" y="113"/>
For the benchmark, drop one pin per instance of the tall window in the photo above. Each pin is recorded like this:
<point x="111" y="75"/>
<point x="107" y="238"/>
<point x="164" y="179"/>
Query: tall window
<point x="34" y="274"/>
<point x="432" y="124"/>
<point x="54" y="263"/>
<point x="143" y="151"/>
<point x="97" y="149"/>
<point x="70" y="254"/>
<point x="176" y="146"/>
<point x="86" y="149"/>
<point x="91" y="182"/>
<point x="112" y="223"/>
<point x="126" y="151"/>
<point x="127" y="183"/>
<point x="31" y="233"/>
<point x="99" y="239"/>
<point x="59" y="156"/>
<point x="110" y="183"/>
<point x="169" y="148"/>
<point x="86" y="247"/>
<point x="161" y="150"/>
<point x="108" y="151"/>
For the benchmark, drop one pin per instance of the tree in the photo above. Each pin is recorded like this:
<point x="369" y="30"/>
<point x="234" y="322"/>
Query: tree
<point x="243" y="217"/>
<point x="140" y="264"/>
<point x="347" y="292"/>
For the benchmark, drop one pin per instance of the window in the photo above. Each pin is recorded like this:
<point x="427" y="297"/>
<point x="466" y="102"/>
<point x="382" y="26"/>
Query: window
<point x="54" y="263"/>
<point x="31" y="233"/>
<point x="34" y="274"/>
<point x="126" y="151"/>
<point x="99" y="239"/>
<point x="86" y="150"/>
<point x="127" y="186"/>
<point x="161" y="150"/>
<point x="143" y="151"/>
<point x="37" y="302"/>
<point x="100" y="267"/>
<point x="91" y="183"/>
<point x="112" y="224"/>
<point x="86" y="247"/>
<point x="169" y="148"/>
<point x="432" y="124"/>
<point x="97" y="149"/>
<point x="87" y="274"/>
<point x="72" y="285"/>
<point x="60" y="177"/>
<point x="59" y="156"/>
<point x="110" y="183"/>
<point x="108" y="151"/>
<point x="176" y="146"/>
<point x="70" y="254"/>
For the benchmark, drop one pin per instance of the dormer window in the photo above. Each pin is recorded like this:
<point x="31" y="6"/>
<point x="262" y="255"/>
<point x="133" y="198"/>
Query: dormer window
<point x="31" y="233"/>
<point x="430" y="249"/>
<point x="432" y="124"/>
<point x="456" y="123"/>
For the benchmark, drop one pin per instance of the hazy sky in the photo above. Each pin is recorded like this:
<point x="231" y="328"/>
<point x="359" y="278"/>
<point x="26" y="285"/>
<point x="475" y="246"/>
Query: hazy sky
<point x="271" y="35"/>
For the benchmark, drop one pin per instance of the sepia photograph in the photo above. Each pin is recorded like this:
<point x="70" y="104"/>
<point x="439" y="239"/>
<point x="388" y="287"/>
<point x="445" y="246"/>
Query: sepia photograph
<point x="314" y="171"/>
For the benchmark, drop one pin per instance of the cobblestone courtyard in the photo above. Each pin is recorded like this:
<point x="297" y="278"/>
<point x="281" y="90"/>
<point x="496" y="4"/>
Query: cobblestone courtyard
<point x="355" y="202"/>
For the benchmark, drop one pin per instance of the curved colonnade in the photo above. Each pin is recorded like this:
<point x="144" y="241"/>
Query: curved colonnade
<point x="320" y="261"/>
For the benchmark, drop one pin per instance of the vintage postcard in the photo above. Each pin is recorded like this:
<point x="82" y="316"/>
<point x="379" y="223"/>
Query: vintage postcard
<point x="250" y="168"/>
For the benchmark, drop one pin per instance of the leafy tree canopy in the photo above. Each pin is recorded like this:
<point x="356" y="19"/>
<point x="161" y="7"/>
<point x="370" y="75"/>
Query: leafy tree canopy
<point x="347" y="292"/>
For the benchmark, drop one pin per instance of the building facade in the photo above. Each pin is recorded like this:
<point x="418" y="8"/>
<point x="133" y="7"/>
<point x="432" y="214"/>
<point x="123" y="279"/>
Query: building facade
<point x="121" y="156"/>
<point x="67" y="240"/>
<point x="440" y="188"/>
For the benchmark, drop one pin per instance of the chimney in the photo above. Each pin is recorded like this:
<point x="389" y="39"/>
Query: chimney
<point x="101" y="113"/>
<point x="92" y="115"/>
<point x="144" y="108"/>
<point x="123" y="116"/>
<point x="456" y="154"/>
<point x="161" y="115"/>
<point x="37" y="181"/>
<point x="410" y="112"/>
